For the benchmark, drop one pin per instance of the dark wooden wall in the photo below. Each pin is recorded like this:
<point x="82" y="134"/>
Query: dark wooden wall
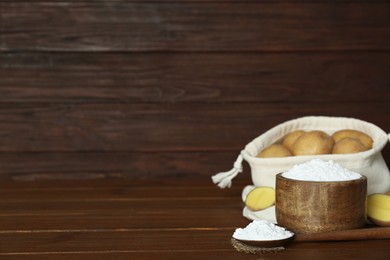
<point x="142" y="89"/>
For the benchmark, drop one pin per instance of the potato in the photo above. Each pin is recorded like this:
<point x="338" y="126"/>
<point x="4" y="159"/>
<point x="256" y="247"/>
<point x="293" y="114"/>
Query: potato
<point x="364" y="138"/>
<point x="313" y="143"/>
<point x="260" y="198"/>
<point x="274" y="150"/>
<point x="348" y="145"/>
<point x="378" y="209"/>
<point x="290" y="138"/>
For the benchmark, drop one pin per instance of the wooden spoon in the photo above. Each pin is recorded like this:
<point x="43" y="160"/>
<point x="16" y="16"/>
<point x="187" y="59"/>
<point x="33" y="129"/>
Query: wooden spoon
<point x="343" y="235"/>
<point x="346" y="235"/>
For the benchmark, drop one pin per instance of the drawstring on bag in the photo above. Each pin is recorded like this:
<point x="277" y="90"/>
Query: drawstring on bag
<point x="224" y="179"/>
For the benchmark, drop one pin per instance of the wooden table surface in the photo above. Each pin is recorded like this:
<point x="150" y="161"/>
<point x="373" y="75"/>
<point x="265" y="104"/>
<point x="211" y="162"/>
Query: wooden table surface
<point x="127" y="219"/>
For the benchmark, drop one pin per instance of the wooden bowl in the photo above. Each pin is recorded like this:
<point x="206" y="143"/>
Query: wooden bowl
<point x="312" y="206"/>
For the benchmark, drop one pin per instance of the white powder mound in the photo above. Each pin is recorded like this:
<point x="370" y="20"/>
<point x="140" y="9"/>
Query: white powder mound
<point x="319" y="170"/>
<point x="262" y="230"/>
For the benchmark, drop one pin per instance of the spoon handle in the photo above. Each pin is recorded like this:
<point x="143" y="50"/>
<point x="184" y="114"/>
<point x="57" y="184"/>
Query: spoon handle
<point x="343" y="235"/>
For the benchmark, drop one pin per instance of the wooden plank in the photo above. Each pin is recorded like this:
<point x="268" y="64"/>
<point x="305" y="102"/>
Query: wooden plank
<point x="190" y="77"/>
<point x="103" y="165"/>
<point x="51" y="206"/>
<point x="126" y="204"/>
<point x="142" y="240"/>
<point x="208" y="1"/>
<point x="119" y="26"/>
<point x="114" y="189"/>
<point x="112" y="165"/>
<point x="121" y="215"/>
<point x="203" y="254"/>
<point x="148" y="127"/>
<point x="184" y="242"/>
<point x="119" y="184"/>
<point x="129" y="254"/>
<point x="321" y="251"/>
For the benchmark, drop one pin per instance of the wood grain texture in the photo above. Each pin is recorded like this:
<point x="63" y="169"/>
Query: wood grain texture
<point x="105" y="89"/>
<point x="111" y="165"/>
<point x="149" y="127"/>
<point x="315" y="207"/>
<point x="316" y="250"/>
<point x="129" y="214"/>
<point x="202" y="1"/>
<point x="180" y="219"/>
<point x="189" y="77"/>
<point x="118" y="26"/>
<point x="126" y="108"/>
<point x="106" y="165"/>
<point x="35" y="166"/>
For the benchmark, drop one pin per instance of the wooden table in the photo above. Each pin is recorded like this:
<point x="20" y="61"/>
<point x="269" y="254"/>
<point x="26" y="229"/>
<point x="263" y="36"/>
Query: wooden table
<point x="143" y="219"/>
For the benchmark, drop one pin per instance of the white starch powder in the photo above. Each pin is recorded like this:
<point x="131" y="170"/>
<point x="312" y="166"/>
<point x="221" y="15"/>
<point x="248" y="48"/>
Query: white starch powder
<point x="262" y="230"/>
<point x="319" y="170"/>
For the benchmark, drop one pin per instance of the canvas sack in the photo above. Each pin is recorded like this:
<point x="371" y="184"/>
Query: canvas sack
<point x="263" y="170"/>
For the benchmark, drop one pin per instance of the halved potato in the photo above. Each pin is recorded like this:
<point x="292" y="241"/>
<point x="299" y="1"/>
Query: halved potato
<point x="378" y="209"/>
<point x="260" y="198"/>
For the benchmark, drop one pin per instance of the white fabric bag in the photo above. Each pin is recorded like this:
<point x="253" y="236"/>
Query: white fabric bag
<point x="263" y="170"/>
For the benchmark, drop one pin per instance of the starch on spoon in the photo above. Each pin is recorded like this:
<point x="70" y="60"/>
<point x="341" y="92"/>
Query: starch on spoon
<point x="262" y="230"/>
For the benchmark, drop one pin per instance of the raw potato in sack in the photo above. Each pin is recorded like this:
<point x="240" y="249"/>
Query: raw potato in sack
<point x="263" y="170"/>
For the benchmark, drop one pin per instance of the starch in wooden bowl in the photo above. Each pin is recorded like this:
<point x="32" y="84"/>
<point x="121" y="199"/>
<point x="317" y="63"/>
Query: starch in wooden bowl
<point x="319" y="196"/>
